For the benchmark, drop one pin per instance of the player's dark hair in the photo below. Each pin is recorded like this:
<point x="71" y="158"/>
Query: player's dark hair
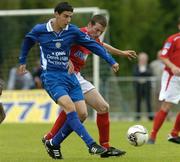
<point x="63" y="6"/>
<point x="99" y="19"/>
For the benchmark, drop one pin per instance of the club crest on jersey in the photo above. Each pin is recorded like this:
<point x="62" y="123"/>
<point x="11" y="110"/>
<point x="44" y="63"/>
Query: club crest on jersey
<point x="58" y="44"/>
<point x="167" y="45"/>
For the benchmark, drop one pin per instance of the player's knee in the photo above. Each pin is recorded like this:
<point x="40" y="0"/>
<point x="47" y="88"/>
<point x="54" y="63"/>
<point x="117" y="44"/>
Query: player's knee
<point x="166" y="106"/>
<point x="104" y="108"/>
<point x="83" y="116"/>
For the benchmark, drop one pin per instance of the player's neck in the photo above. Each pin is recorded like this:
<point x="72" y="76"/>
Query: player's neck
<point x="55" y="26"/>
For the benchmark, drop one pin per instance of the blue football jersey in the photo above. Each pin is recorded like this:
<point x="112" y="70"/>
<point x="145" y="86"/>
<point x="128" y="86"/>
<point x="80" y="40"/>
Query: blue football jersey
<point x="55" y="47"/>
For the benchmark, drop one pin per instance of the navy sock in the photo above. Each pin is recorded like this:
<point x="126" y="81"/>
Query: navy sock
<point x="62" y="134"/>
<point x="76" y="125"/>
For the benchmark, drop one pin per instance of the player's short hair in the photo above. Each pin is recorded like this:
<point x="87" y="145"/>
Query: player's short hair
<point x="99" y="19"/>
<point x="63" y="6"/>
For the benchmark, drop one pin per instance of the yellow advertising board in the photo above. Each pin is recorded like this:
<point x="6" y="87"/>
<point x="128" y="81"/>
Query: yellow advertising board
<point x="29" y="106"/>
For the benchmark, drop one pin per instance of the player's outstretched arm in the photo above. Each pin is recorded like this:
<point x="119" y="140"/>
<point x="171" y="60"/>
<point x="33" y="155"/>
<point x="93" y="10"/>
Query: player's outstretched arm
<point x="127" y="53"/>
<point x="89" y="43"/>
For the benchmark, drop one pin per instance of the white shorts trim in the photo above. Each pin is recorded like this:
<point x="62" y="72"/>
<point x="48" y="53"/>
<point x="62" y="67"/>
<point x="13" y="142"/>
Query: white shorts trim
<point x="85" y="85"/>
<point x="170" y="88"/>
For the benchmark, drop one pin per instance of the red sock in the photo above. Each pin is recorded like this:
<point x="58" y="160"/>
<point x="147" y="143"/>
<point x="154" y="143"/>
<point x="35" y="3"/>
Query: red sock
<point x="57" y="125"/>
<point x="103" y="127"/>
<point x="176" y="128"/>
<point x="158" y="121"/>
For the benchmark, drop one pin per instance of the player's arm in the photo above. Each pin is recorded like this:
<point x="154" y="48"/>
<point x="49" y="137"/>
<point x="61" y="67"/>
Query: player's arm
<point x="28" y="43"/>
<point x="175" y="70"/>
<point x="95" y="47"/>
<point x="127" y="53"/>
<point x="166" y="50"/>
<point x="70" y="67"/>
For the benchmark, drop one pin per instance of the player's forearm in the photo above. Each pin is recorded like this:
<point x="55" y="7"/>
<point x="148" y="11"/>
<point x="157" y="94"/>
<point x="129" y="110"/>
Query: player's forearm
<point x="113" y="50"/>
<point x="100" y="51"/>
<point x="167" y="62"/>
<point x="26" y="46"/>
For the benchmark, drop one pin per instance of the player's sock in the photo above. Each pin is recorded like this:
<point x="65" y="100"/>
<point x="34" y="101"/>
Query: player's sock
<point x="104" y="128"/>
<point x="72" y="123"/>
<point x="158" y="121"/>
<point x="57" y="125"/>
<point x="76" y="125"/>
<point x="176" y="129"/>
<point x="61" y="135"/>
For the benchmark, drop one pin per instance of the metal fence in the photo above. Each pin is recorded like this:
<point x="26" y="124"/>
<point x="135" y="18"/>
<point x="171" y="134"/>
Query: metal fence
<point x="120" y="93"/>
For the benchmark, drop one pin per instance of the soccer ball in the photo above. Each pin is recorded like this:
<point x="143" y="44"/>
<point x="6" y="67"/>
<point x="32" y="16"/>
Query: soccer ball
<point x="137" y="135"/>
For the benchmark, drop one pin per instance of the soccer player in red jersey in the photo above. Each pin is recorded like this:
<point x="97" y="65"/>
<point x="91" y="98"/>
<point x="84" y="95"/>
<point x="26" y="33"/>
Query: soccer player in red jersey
<point x="170" y="87"/>
<point x="2" y="113"/>
<point x="93" y="98"/>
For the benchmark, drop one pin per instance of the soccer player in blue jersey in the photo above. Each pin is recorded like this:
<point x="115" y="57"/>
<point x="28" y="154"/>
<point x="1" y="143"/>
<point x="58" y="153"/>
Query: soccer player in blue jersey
<point x="2" y="113"/>
<point x="55" y="39"/>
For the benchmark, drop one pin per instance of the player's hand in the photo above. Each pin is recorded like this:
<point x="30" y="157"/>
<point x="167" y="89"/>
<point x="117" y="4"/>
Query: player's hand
<point x="70" y="67"/>
<point x="22" y="69"/>
<point x="115" y="67"/>
<point x="130" y="54"/>
<point x="175" y="70"/>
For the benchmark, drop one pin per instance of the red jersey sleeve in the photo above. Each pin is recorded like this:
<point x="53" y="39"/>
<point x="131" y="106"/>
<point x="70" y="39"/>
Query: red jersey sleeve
<point x="171" y="50"/>
<point x="167" y="48"/>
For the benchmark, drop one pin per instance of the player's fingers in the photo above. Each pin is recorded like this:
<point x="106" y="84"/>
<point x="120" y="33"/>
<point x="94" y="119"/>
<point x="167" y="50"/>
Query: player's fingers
<point x="116" y="68"/>
<point x="129" y="58"/>
<point x="133" y="54"/>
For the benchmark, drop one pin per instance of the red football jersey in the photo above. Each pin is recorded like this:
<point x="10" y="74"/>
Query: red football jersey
<point x="79" y="54"/>
<point x="171" y="50"/>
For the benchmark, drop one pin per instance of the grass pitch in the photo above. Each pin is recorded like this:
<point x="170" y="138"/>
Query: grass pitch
<point x="22" y="143"/>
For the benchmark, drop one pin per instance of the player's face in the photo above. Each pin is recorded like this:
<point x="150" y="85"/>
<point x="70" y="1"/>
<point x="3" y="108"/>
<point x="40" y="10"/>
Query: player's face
<point x="95" y="30"/>
<point x="63" y="19"/>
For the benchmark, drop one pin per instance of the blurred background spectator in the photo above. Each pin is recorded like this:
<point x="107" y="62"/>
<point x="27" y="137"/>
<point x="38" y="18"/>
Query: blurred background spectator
<point x="17" y="81"/>
<point x="157" y="67"/>
<point x="142" y="84"/>
<point x="36" y="72"/>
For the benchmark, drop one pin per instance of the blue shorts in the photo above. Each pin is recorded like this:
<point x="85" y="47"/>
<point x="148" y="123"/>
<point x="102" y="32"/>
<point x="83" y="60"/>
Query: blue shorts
<point x="58" y="84"/>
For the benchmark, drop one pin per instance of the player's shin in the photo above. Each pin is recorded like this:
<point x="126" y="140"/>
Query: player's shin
<point x="176" y="128"/>
<point x="158" y="121"/>
<point x="76" y="125"/>
<point x="57" y="125"/>
<point x="103" y="128"/>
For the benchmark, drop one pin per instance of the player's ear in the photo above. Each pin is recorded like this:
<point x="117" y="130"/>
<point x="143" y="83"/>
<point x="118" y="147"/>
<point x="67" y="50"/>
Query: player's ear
<point x="56" y="14"/>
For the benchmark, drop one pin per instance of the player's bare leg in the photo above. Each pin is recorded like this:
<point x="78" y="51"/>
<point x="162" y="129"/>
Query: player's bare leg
<point x="94" y="99"/>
